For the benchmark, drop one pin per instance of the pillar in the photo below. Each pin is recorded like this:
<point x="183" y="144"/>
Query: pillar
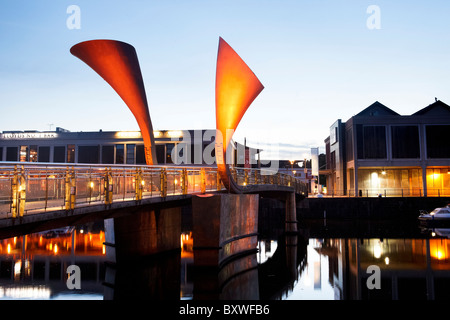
<point x="142" y="233"/>
<point x="291" y="213"/>
<point x="224" y="225"/>
<point x="424" y="180"/>
<point x="225" y="230"/>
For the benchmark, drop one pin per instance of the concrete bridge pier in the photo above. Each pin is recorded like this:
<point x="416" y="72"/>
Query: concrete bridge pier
<point x="224" y="225"/>
<point x="291" y="213"/>
<point x="225" y="232"/>
<point x="291" y="255"/>
<point x="132" y="242"/>
<point x="142" y="233"/>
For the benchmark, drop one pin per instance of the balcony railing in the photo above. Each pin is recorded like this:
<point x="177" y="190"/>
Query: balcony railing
<point x="390" y="192"/>
<point x="35" y="188"/>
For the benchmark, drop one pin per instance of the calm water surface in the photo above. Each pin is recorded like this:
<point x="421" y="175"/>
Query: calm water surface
<point x="414" y="264"/>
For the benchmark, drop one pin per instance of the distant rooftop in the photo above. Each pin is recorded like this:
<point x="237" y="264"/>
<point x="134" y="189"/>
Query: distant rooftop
<point x="438" y="108"/>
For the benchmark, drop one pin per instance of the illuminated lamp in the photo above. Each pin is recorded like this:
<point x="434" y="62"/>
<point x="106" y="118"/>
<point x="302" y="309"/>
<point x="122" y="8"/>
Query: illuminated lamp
<point x="236" y="88"/>
<point x="117" y="63"/>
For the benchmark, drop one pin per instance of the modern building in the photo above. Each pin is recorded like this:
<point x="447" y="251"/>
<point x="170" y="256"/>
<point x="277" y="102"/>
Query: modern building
<point x="190" y="147"/>
<point x="379" y="152"/>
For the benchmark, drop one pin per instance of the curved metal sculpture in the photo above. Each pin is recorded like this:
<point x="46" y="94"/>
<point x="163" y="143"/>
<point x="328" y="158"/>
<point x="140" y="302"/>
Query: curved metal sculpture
<point x="236" y="88"/>
<point x="117" y="63"/>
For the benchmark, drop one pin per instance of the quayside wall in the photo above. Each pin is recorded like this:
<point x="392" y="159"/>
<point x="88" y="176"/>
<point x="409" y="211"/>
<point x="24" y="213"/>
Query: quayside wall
<point x="367" y="208"/>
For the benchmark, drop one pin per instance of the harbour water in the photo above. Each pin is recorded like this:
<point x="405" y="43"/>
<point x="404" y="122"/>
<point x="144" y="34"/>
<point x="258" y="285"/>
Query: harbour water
<point x="327" y="260"/>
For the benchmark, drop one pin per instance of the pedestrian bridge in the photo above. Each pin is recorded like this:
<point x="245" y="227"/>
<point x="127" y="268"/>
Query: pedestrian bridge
<point x="33" y="192"/>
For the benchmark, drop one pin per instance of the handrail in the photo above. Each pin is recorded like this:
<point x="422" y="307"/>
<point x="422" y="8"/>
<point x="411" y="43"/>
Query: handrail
<point x="31" y="188"/>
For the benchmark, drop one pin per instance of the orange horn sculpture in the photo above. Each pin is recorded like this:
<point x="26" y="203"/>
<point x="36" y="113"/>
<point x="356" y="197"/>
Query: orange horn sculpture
<point x="236" y="88"/>
<point x="117" y="63"/>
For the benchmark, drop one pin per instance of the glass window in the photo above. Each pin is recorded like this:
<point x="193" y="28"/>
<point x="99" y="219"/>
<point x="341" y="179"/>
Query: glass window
<point x="374" y="142"/>
<point x="120" y="154"/>
<point x="1" y="153"/>
<point x="140" y="154"/>
<point x="88" y="154"/>
<point x="160" y="153"/>
<point x="438" y="146"/>
<point x="371" y="142"/>
<point x="33" y="154"/>
<point x="349" y="144"/>
<point x="169" y="148"/>
<point x="405" y="142"/>
<point x="23" y="155"/>
<point x="59" y="154"/>
<point x="130" y="153"/>
<point x="71" y="153"/>
<point x="11" y="153"/>
<point x="44" y="154"/>
<point x="108" y="154"/>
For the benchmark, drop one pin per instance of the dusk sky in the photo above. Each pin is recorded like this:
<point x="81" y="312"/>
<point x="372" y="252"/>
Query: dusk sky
<point x="318" y="61"/>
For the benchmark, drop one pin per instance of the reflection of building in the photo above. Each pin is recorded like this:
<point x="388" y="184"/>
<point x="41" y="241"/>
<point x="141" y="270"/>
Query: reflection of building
<point x="34" y="266"/>
<point x="192" y="147"/>
<point x="379" y="151"/>
<point x="409" y="268"/>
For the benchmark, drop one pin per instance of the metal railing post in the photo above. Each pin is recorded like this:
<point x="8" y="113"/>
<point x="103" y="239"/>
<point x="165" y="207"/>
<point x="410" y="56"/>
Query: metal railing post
<point x="70" y="189"/>
<point x="108" y="186"/>
<point x="18" y="192"/>
<point x="163" y="179"/>
<point x="14" y="196"/>
<point x="184" y="181"/>
<point x="202" y="180"/>
<point x="218" y="181"/>
<point x="46" y="191"/>
<point x="138" y="185"/>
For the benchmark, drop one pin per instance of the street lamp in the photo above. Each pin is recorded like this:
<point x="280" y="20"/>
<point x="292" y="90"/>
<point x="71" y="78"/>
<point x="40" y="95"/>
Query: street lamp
<point x="292" y="166"/>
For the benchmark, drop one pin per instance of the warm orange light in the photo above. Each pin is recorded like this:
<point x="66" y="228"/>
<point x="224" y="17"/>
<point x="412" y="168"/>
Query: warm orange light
<point x="187" y="243"/>
<point x="236" y="88"/>
<point x="117" y="63"/>
<point x="439" y="249"/>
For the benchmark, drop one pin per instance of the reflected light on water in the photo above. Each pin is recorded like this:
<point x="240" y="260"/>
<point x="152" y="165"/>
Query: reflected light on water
<point x="266" y="249"/>
<point x="33" y="266"/>
<point x="25" y="292"/>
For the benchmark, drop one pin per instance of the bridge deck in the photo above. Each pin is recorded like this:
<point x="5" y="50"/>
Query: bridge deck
<point x="37" y="192"/>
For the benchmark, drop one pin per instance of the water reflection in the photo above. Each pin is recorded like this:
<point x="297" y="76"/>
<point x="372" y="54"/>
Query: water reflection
<point x="34" y="266"/>
<point x="409" y="268"/>
<point x="310" y="266"/>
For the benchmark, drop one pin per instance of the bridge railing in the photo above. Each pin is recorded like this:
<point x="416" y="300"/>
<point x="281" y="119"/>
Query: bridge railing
<point x="35" y="188"/>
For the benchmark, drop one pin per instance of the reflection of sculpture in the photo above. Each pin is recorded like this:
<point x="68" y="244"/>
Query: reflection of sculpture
<point x="236" y="88"/>
<point x="117" y="63"/>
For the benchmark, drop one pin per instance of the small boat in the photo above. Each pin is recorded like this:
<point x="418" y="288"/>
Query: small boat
<point x="438" y="215"/>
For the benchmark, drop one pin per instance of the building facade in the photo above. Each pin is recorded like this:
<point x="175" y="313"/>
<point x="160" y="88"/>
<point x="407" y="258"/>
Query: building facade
<point x="379" y="152"/>
<point x="173" y="147"/>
